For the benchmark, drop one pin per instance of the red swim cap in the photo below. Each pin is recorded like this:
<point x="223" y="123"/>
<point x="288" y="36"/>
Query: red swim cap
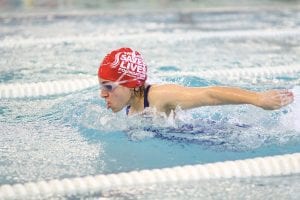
<point x="124" y="65"/>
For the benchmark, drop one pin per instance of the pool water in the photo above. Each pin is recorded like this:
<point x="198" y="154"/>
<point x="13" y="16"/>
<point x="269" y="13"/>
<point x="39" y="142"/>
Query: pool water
<point x="59" y="136"/>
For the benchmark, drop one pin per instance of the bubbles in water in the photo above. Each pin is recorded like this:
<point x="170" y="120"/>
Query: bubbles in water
<point x="291" y="120"/>
<point x="99" y="118"/>
<point x="221" y="128"/>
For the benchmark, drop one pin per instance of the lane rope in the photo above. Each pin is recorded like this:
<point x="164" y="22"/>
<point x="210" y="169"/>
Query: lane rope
<point x="42" y="89"/>
<point x="20" y="42"/>
<point x="257" y="167"/>
<point x="234" y="73"/>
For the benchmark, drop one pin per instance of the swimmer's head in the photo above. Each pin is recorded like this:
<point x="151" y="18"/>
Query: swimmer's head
<point x="125" y="66"/>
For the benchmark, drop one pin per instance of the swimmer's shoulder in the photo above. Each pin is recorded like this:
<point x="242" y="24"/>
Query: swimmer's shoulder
<point x="158" y="88"/>
<point x="159" y="91"/>
<point x="160" y="96"/>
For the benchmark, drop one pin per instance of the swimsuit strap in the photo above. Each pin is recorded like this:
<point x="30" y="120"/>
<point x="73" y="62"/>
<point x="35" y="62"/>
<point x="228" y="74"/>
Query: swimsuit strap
<point x="127" y="110"/>
<point x="146" y="102"/>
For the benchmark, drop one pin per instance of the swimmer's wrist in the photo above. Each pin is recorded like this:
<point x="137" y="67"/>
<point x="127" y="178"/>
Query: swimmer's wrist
<point x="257" y="100"/>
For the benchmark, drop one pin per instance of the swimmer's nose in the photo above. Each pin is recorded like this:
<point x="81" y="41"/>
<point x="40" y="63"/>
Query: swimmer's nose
<point x="103" y="93"/>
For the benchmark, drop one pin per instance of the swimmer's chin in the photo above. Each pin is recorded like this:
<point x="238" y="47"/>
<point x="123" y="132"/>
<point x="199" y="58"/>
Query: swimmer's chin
<point x="114" y="110"/>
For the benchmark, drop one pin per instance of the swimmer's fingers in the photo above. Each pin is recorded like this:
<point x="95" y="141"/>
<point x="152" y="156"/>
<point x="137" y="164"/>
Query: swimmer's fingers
<point x="276" y="99"/>
<point x="286" y="99"/>
<point x="278" y="93"/>
<point x="283" y="98"/>
<point x="285" y="93"/>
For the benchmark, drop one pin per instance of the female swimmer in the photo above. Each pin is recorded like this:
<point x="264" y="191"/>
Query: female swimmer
<point x="122" y="78"/>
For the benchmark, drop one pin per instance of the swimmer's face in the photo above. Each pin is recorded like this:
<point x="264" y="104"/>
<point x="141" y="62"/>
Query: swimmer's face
<point x="116" y="96"/>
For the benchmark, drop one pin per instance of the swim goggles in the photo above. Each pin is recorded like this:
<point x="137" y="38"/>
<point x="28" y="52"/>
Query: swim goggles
<point x="111" y="85"/>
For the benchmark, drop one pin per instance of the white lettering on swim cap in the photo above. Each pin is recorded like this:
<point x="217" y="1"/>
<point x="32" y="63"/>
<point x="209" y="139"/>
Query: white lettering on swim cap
<point x="132" y="64"/>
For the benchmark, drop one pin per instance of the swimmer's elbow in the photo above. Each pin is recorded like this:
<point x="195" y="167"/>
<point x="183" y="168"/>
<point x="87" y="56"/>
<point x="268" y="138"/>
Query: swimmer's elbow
<point x="198" y="97"/>
<point x="212" y="96"/>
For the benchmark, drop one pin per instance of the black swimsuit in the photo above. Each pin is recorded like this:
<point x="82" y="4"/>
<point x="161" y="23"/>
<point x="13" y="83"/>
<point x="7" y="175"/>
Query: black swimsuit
<point x="146" y="102"/>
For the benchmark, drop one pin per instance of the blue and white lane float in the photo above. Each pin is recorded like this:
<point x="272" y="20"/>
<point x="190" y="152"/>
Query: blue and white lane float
<point x="257" y="167"/>
<point x="48" y="88"/>
<point x="42" y="89"/>
<point x="175" y="37"/>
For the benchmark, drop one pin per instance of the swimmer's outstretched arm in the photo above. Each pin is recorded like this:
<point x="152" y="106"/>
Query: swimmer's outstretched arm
<point x="188" y="97"/>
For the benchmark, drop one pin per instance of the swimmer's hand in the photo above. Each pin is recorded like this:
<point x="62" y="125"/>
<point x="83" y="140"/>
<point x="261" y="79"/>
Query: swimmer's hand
<point x="274" y="99"/>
